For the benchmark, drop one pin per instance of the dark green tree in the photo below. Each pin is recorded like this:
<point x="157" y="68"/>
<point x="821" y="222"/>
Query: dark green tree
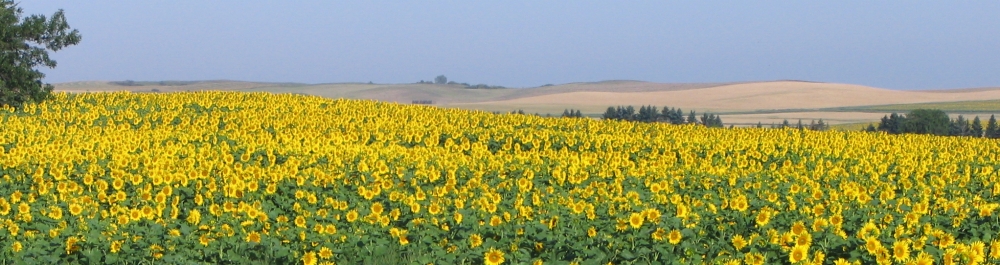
<point x="871" y="128"/>
<point x="578" y="114"/>
<point x="610" y="114"/>
<point x="800" y="126"/>
<point x="691" y="118"/>
<point x="992" y="130"/>
<point x="441" y="80"/>
<point x="926" y="121"/>
<point x="977" y="127"/>
<point x="785" y="124"/>
<point x="24" y="45"/>
<point x="959" y="127"/>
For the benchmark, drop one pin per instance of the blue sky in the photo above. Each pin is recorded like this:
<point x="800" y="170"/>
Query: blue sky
<point x="889" y="44"/>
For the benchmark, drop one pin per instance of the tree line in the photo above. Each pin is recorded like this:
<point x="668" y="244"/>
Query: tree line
<point x="813" y="125"/>
<point x="654" y="114"/>
<point x="936" y="122"/>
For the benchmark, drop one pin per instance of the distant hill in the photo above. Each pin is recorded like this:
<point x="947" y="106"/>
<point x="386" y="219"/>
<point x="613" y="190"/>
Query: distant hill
<point x="742" y="102"/>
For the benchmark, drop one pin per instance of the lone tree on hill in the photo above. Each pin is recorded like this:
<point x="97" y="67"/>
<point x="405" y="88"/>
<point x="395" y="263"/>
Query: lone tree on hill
<point x="24" y="44"/>
<point x="441" y="80"/>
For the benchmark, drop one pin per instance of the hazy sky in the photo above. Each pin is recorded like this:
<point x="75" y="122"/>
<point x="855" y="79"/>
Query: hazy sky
<point x="890" y="44"/>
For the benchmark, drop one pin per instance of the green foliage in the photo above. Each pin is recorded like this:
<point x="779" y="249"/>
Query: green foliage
<point x="24" y="45"/>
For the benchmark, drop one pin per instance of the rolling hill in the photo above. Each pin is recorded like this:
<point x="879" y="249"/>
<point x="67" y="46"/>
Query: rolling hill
<point x="740" y="103"/>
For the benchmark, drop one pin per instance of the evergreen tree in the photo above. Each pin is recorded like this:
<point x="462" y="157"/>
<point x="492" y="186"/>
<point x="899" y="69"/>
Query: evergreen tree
<point x="565" y="113"/>
<point x="785" y="124"/>
<point x="821" y="126"/>
<point x="679" y="115"/>
<point x="976" y="128"/>
<point x="610" y="114"/>
<point x="578" y="114"/>
<point x="991" y="128"/>
<point x="706" y="120"/>
<point x="799" y="125"/>
<point x="959" y="127"/>
<point x="871" y="128"/>
<point x="759" y="125"/>
<point x="692" y="118"/>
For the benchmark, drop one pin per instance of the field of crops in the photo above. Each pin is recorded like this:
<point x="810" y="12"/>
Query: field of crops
<point x="259" y="178"/>
<point x="957" y="107"/>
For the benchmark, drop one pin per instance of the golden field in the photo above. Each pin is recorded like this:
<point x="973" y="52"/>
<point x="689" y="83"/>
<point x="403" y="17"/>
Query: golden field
<point x="245" y="178"/>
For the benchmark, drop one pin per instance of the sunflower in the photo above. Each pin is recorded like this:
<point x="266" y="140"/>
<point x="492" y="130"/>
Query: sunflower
<point x="798" y="228"/>
<point x="682" y="211"/>
<point x="804" y="239"/>
<point x="591" y="232"/>
<point x="300" y="221"/>
<point x="352" y="216"/>
<point x="475" y="240"/>
<point x="194" y="216"/>
<point x="377" y="208"/>
<point x="872" y="245"/>
<point x="204" y="240"/>
<point x="799" y="253"/>
<point x="309" y="258"/>
<point x="71" y="245"/>
<point x="74" y="209"/>
<point x="495" y="220"/>
<point x="674" y="237"/>
<point x="578" y="208"/>
<point x="739" y="242"/>
<point x="924" y="259"/>
<point x="635" y="220"/>
<point x="136" y="215"/>
<point x="148" y="212"/>
<point x="754" y="259"/>
<point x="493" y="257"/>
<point x="836" y="220"/>
<point x="55" y="212"/>
<point x="116" y="246"/>
<point x="763" y="218"/>
<point x="434" y="209"/>
<point x="652" y="215"/>
<point x="16" y="246"/>
<point x="4" y="206"/>
<point x="976" y="252"/>
<point x="659" y="234"/>
<point x="325" y="253"/>
<point x="253" y="237"/>
<point x="23" y="208"/>
<point x="458" y="218"/>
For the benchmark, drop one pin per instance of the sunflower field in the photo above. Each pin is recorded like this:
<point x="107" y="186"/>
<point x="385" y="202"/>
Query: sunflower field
<point x="260" y="178"/>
